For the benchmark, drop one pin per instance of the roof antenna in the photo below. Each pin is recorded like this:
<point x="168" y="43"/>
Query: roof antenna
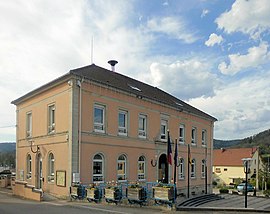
<point x="92" y="48"/>
<point x="113" y="63"/>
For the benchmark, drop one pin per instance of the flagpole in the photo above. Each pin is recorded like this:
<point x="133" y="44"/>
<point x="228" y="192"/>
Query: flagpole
<point x="169" y="157"/>
<point x="175" y="161"/>
<point x="188" y="170"/>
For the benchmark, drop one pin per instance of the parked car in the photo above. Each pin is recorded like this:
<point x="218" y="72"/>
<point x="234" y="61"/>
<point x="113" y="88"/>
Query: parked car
<point x="6" y="172"/>
<point x="242" y="187"/>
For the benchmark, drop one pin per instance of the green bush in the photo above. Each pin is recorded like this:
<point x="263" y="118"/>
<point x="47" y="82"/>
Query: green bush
<point x="266" y="193"/>
<point x="224" y="190"/>
<point x="214" y="183"/>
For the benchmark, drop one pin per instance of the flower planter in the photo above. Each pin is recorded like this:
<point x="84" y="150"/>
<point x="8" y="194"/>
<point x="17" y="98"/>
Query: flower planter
<point x="113" y="193"/>
<point x="93" y="193"/>
<point x="163" y="193"/>
<point x="137" y="193"/>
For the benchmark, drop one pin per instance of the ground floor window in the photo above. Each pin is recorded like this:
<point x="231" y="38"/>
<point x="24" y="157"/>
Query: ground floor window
<point x="51" y="168"/>
<point x="141" y="168"/>
<point x="28" y="167"/>
<point x="193" y="169"/>
<point x="121" y="168"/>
<point x="98" y="169"/>
<point x="181" y="169"/>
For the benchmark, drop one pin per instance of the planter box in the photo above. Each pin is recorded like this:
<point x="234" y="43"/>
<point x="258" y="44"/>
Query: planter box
<point x="113" y="193"/>
<point x="136" y="193"/>
<point x="162" y="193"/>
<point x="93" y="193"/>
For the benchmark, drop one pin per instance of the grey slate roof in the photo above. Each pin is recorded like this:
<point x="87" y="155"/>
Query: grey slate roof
<point x="140" y="89"/>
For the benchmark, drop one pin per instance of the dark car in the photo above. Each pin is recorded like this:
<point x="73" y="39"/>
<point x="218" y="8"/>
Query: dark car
<point x="242" y="187"/>
<point x="6" y="172"/>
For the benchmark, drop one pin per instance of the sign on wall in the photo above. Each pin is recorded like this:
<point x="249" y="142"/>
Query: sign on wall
<point x="61" y="178"/>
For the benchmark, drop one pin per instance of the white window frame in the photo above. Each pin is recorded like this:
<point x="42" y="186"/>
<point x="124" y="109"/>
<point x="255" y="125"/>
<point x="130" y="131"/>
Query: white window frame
<point x="193" y="169"/>
<point x="123" y="130"/>
<point x="203" y="168"/>
<point x="29" y="121"/>
<point x="163" y="128"/>
<point x="99" y="126"/>
<point x="182" y="134"/>
<point x="194" y="136"/>
<point x="51" y="166"/>
<point x="28" y="166"/>
<point x="123" y="164"/>
<point x="142" y="130"/>
<point x="141" y="168"/>
<point x="51" y="119"/>
<point x="101" y="175"/>
<point x="204" y="138"/>
<point x="181" y="169"/>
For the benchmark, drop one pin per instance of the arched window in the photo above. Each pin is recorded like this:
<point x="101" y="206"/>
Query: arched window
<point x="141" y="168"/>
<point x="98" y="168"/>
<point x="28" y="167"/>
<point x="203" y="168"/>
<point x="121" y="168"/>
<point x="181" y="169"/>
<point x="193" y="169"/>
<point x="51" y="168"/>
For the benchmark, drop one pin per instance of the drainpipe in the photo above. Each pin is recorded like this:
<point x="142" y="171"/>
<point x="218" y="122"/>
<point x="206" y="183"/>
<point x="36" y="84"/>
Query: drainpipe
<point x="79" y="84"/>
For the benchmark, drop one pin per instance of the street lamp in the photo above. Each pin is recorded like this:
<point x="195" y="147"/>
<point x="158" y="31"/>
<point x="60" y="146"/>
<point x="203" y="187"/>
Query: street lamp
<point x="246" y="163"/>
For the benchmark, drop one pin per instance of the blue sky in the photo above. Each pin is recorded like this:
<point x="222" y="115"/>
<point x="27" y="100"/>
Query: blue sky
<point x="213" y="54"/>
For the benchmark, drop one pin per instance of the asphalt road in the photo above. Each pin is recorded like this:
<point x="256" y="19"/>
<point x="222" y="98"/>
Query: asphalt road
<point x="10" y="204"/>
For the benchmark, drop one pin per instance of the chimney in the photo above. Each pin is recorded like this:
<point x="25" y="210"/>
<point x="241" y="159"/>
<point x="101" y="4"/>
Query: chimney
<point x="112" y="63"/>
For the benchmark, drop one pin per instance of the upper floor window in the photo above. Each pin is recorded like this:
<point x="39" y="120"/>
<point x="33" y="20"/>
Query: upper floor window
<point x="193" y="136"/>
<point x="204" y="143"/>
<point x="141" y="168"/>
<point x="142" y="126"/>
<point x="182" y="134"/>
<point x="122" y="122"/>
<point x="181" y="168"/>
<point x="98" y="168"/>
<point x="193" y="169"/>
<point x="163" y="130"/>
<point x="121" y="168"/>
<point x="51" y="168"/>
<point x="51" y="125"/>
<point x="29" y="124"/>
<point x="28" y="167"/>
<point x="99" y="118"/>
<point x="203" y="168"/>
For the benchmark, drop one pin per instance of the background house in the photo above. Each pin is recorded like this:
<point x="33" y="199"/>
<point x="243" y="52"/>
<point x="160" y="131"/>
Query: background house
<point x="228" y="165"/>
<point x="93" y="125"/>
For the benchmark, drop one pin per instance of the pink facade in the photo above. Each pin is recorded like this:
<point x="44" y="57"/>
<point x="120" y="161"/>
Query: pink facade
<point x="93" y="131"/>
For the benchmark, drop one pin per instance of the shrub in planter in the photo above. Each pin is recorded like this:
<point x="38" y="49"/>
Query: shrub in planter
<point x="224" y="190"/>
<point x="266" y="193"/>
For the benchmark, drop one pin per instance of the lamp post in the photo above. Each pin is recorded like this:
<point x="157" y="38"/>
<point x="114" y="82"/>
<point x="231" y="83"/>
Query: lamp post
<point x="246" y="163"/>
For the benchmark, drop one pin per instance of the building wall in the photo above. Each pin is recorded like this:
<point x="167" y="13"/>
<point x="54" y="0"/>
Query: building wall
<point x="56" y="143"/>
<point x="111" y="145"/>
<point x="226" y="174"/>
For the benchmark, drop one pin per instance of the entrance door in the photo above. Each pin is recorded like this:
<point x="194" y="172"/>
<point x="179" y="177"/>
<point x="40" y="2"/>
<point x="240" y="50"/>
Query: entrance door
<point x="39" y="172"/>
<point x="163" y="169"/>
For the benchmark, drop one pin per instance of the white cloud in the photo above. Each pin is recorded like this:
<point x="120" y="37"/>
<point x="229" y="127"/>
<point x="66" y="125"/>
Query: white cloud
<point x="249" y="17"/>
<point x="204" y="13"/>
<point x="213" y="39"/>
<point x="242" y="108"/>
<point x="184" y="79"/>
<point x="173" y="27"/>
<point x="46" y="39"/>
<point x="256" y="56"/>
